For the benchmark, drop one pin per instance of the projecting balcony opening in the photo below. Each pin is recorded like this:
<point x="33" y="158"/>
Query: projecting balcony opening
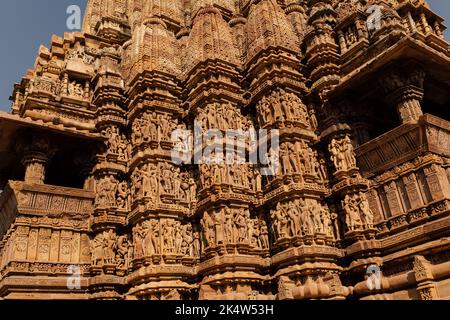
<point x="386" y="94"/>
<point x="45" y="155"/>
<point x="378" y="118"/>
<point x="62" y="171"/>
<point x="436" y="100"/>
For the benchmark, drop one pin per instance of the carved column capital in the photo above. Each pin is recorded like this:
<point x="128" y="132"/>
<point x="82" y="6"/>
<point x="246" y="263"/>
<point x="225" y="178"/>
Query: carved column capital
<point x="36" y="156"/>
<point x="425" y="279"/>
<point x="35" y="164"/>
<point x="403" y="86"/>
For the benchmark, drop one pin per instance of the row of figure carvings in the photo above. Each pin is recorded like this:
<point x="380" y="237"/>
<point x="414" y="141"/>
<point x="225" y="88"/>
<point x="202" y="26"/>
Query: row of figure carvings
<point x="343" y="154"/>
<point x="112" y="193"/>
<point x="152" y="126"/>
<point x="152" y="181"/>
<point x="57" y="87"/>
<point x="299" y="158"/>
<point x="299" y="218"/>
<point x="219" y="116"/>
<point x="358" y="215"/>
<point x="117" y="143"/>
<point x="83" y="54"/>
<point x="281" y="106"/>
<point x="238" y="175"/>
<point x="234" y="226"/>
<point x="165" y="236"/>
<point x="110" y="249"/>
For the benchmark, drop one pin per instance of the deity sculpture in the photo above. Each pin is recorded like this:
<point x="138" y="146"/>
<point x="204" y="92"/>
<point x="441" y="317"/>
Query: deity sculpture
<point x="103" y="247"/>
<point x="282" y="107"/>
<point x="106" y="192"/>
<point x="343" y="154"/>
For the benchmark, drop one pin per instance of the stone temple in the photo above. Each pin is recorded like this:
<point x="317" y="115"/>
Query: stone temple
<point x="93" y="205"/>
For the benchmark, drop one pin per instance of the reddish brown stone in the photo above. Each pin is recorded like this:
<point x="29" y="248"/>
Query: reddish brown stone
<point x="93" y="207"/>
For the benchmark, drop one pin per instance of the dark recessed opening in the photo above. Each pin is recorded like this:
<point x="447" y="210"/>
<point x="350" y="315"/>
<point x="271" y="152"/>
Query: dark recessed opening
<point x="63" y="172"/>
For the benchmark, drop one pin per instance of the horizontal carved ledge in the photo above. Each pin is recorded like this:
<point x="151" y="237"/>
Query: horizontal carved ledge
<point x="57" y="190"/>
<point x="73" y="223"/>
<point x="48" y="201"/>
<point x="160" y="210"/>
<point x="303" y="253"/>
<point x="161" y="272"/>
<point x="414" y="217"/>
<point x="163" y="286"/>
<point x="42" y="269"/>
<point x="403" y="239"/>
<point x="235" y="262"/>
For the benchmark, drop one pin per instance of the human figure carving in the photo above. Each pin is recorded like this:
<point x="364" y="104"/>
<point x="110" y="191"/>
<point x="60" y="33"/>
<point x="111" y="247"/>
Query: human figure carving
<point x="294" y="219"/>
<point x="208" y="226"/>
<point x="122" y="247"/>
<point x="343" y="154"/>
<point x="264" y="235"/>
<point x="179" y="238"/>
<point x="314" y="215"/>
<point x="347" y="148"/>
<point x="353" y="219"/>
<point x="168" y="236"/>
<point x="219" y="221"/>
<point x="187" y="245"/>
<point x="313" y="120"/>
<point x="326" y="221"/>
<point x="138" y="237"/>
<point x="123" y="195"/>
<point x="366" y="213"/>
<point x="106" y="192"/>
<point x="285" y="159"/>
<point x="228" y="228"/>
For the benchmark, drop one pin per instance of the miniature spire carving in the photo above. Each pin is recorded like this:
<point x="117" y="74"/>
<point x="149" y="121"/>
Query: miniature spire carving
<point x="210" y="39"/>
<point x="153" y="48"/>
<point x="267" y="27"/>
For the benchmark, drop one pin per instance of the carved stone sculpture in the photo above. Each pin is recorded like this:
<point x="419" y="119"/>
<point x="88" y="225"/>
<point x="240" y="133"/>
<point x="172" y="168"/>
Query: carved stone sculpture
<point x="316" y="155"/>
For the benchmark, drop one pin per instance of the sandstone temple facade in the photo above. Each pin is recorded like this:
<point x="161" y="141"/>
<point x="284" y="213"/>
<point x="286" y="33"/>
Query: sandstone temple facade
<point x="94" y="207"/>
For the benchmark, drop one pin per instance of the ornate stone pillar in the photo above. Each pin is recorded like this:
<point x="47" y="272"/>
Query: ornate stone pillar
<point x="298" y="216"/>
<point x="408" y="104"/>
<point x="163" y="193"/>
<point x="357" y="213"/>
<point x="320" y="41"/>
<point x="437" y="182"/>
<point x="413" y="191"/>
<point x="36" y="156"/>
<point x="296" y="13"/>
<point x="426" y="27"/>
<point x="35" y="165"/>
<point x="393" y="199"/>
<point x="424" y="278"/>
<point x="110" y="246"/>
<point x="403" y="86"/>
<point x="227" y="188"/>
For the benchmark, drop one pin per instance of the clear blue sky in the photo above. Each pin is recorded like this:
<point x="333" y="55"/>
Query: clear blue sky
<point x="25" y="24"/>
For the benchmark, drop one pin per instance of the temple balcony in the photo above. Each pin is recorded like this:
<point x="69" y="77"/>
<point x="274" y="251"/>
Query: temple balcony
<point x="43" y="231"/>
<point x="24" y="199"/>
<point x="45" y="204"/>
<point x="404" y="143"/>
<point x="409" y="170"/>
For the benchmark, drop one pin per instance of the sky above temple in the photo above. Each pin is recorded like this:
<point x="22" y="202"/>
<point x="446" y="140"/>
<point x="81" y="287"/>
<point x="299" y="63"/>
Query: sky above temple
<point x="25" y="24"/>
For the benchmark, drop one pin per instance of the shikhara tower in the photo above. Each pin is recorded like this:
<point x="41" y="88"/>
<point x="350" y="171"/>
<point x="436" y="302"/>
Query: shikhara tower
<point x="359" y="91"/>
